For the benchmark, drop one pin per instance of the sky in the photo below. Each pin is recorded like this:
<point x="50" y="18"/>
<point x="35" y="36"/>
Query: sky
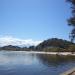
<point x="34" y="19"/>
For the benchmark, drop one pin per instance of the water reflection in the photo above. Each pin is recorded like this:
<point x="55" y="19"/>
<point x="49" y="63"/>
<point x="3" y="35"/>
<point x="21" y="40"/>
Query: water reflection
<point x="56" y="63"/>
<point x="56" y="60"/>
<point x="22" y="63"/>
<point x="16" y="58"/>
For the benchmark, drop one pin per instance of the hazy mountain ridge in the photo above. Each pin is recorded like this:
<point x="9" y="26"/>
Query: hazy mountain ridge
<point x="9" y="40"/>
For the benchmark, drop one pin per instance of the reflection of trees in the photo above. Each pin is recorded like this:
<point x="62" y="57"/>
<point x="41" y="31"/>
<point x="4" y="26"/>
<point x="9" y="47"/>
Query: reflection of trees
<point x="55" y="60"/>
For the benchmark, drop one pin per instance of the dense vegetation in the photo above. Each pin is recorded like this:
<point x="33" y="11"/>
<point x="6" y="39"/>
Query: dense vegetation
<point x="56" y="45"/>
<point x="71" y="20"/>
<point x="50" y="45"/>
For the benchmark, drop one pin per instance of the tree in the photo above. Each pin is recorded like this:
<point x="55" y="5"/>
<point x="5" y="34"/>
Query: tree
<point x="71" y="48"/>
<point x="71" y="20"/>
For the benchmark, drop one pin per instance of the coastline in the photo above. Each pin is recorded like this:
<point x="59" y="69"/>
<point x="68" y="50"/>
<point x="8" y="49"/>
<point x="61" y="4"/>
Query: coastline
<point x="69" y="72"/>
<point x="52" y="53"/>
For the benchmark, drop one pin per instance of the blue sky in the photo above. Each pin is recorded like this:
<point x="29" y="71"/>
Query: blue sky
<point x="34" y="19"/>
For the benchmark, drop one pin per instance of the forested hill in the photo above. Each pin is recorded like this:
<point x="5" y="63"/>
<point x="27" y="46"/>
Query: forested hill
<point x="55" y="44"/>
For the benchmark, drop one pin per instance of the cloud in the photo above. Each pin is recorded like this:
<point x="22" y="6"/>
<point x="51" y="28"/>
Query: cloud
<point x="9" y="40"/>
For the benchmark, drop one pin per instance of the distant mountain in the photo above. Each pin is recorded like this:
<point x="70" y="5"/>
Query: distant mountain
<point x="14" y="48"/>
<point x="10" y="47"/>
<point x="9" y="40"/>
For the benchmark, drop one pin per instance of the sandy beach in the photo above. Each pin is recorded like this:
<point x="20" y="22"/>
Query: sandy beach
<point x="52" y="53"/>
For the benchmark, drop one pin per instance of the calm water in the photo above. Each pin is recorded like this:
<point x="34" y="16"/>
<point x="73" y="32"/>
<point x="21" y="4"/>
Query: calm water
<point x="21" y="63"/>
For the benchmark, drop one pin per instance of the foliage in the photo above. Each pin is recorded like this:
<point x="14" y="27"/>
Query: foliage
<point x="71" y="20"/>
<point x="53" y="49"/>
<point x="54" y="44"/>
<point x="71" y="48"/>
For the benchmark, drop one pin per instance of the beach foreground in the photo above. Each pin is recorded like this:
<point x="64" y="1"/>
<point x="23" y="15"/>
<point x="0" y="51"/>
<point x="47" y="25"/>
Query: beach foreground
<point x="53" y="53"/>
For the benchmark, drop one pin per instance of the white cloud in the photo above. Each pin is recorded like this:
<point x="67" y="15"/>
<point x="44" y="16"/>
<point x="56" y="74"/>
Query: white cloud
<point x="9" y="40"/>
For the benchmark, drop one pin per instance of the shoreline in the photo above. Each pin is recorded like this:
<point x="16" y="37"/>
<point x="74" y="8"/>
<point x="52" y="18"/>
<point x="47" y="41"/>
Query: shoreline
<point x="52" y="53"/>
<point x="69" y="72"/>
